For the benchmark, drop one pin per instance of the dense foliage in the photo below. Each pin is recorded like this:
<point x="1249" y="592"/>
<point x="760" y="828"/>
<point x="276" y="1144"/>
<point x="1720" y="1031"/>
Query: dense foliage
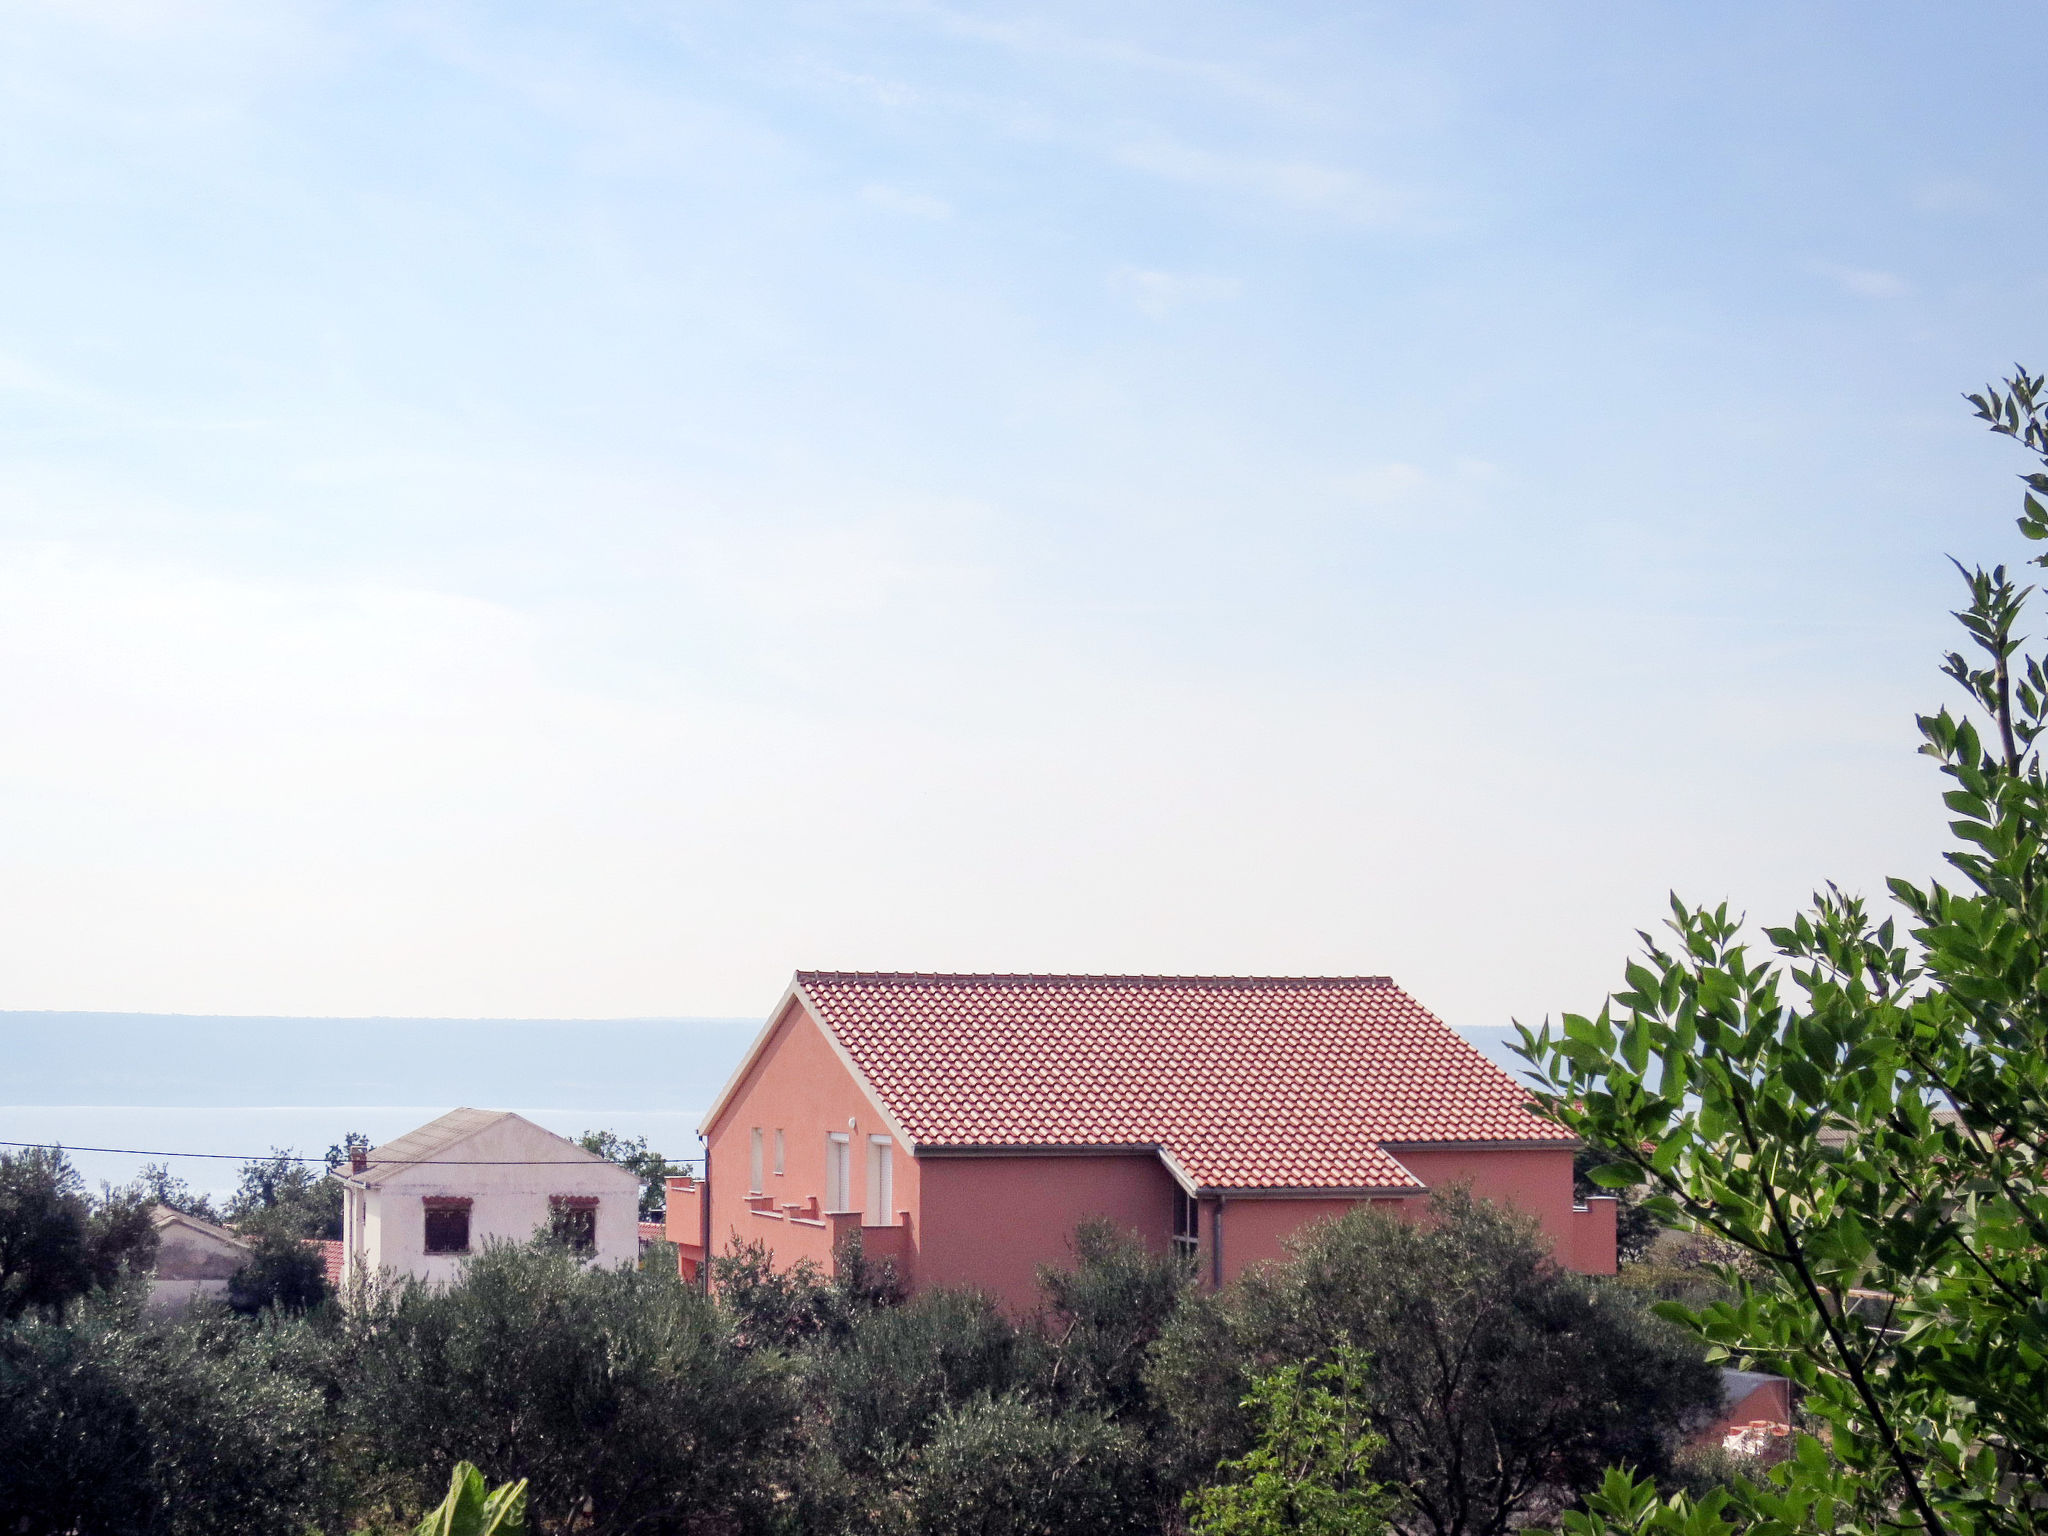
<point x="1500" y="1385"/>
<point x="793" y="1403"/>
<point x="282" y="1196"/>
<point x="1862" y="1114"/>
<point x="616" y="1393"/>
<point x="113" y="1422"/>
<point x="1309" y="1470"/>
<point x="56" y="1243"/>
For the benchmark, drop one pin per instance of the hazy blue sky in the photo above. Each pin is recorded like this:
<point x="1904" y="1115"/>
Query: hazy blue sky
<point x="581" y="509"/>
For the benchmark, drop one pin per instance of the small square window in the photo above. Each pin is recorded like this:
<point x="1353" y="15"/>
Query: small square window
<point x="447" y="1227"/>
<point x="572" y="1222"/>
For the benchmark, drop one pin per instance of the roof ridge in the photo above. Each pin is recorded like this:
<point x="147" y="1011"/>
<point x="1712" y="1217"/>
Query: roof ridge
<point x="1128" y="979"/>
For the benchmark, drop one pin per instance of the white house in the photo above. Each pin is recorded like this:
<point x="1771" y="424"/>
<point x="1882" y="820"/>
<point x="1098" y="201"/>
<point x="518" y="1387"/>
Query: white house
<point x="422" y="1203"/>
<point x="194" y="1258"/>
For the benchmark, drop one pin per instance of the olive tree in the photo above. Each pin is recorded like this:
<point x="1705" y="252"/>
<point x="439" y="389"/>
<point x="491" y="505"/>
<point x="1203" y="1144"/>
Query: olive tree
<point x="1500" y="1385"/>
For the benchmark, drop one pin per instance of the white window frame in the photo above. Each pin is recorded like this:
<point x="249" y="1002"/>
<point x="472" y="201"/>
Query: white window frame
<point x="881" y="1182"/>
<point x="754" y="1161"/>
<point x="838" y="1170"/>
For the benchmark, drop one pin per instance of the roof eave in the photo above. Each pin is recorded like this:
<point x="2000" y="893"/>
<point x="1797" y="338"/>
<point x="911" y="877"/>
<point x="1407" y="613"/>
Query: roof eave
<point x="1181" y="1175"/>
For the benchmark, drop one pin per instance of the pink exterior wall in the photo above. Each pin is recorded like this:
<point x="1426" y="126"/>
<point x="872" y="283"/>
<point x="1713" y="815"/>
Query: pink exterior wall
<point x="1256" y="1231"/>
<point x="799" y="1085"/>
<point x="989" y="1222"/>
<point x="1536" y="1181"/>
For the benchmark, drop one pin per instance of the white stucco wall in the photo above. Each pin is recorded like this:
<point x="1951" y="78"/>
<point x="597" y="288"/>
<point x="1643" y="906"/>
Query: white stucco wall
<point x="386" y="1221"/>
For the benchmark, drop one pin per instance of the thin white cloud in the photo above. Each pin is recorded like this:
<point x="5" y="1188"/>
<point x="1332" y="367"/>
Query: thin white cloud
<point x="1041" y="37"/>
<point x="1863" y="282"/>
<point x="1158" y="293"/>
<point x="921" y="205"/>
<point x="1307" y="185"/>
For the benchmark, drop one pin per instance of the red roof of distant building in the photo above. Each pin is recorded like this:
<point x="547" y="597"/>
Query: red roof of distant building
<point x="1244" y="1082"/>
<point x="330" y="1257"/>
<point x="653" y="1232"/>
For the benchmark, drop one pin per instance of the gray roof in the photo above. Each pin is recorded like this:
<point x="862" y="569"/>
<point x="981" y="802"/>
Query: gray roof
<point x="1736" y="1385"/>
<point x="161" y="1216"/>
<point x="428" y="1142"/>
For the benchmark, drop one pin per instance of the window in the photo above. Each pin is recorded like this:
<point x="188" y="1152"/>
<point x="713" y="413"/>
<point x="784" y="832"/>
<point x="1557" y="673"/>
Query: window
<point x="754" y="1161"/>
<point x="780" y="1149"/>
<point x="838" y="1170"/>
<point x="572" y="1222"/>
<point x="881" y="1182"/>
<point x="1187" y="1220"/>
<point x="447" y="1224"/>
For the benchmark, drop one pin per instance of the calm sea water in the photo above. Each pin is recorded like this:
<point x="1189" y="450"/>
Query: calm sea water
<point x="188" y="1084"/>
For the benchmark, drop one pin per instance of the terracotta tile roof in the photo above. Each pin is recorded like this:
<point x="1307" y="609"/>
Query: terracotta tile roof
<point x="653" y="1232"/>
<point x="1245" y="1082"/>
<point x="329" y="1249"/>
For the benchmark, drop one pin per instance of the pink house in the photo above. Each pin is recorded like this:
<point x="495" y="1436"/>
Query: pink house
<point x="964" y="1126"/>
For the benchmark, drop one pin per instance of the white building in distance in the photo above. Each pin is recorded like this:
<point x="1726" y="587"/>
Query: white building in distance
<point x="423" y="1203"/>
<point x="194" y="1258"/>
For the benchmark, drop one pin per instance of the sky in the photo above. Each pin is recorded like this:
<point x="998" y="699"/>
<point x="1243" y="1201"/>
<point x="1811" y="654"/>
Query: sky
<point x="517" y="510"/>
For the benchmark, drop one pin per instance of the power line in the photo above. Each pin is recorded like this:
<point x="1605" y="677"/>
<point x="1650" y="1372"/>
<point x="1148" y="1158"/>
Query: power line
<point x="292" y="1157"/>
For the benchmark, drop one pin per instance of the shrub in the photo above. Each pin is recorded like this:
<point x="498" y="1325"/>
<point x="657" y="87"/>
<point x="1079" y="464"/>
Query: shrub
<point x="113" y="1423"/>
<point x="1102" y="1315"/>
<point x="878" y="1392"/>
<point x="283" y="1274"/>
<point x="782" y="1308"/>
<point x="1501" y="1384"/>
<point x="618" y="1394"/>
<point x="1006" y="1466"/>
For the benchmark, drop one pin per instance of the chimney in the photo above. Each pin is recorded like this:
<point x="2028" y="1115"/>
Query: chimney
<point x="358" y="1158"/>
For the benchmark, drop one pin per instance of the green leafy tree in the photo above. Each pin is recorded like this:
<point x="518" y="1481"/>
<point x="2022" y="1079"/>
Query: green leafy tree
<point x="341" y="1152"/>
<point x="157" y="1185"/>
<point x="1103" y="1313"/>
<point x="877" y="1392"/>
<point x="634" y="1153"/>
<point x="121" y="1424"/>
<point x="283" y="1274"/>
<point x="1863" y="1113"/>
<point x="619" y="1394"/>
<point x="56" y="1243"/>
<point x="1501" y="1384"/>
<point x="285" y="1196"/>
<point x="1308" y="1472"/>
<point x="781" y="1308"/>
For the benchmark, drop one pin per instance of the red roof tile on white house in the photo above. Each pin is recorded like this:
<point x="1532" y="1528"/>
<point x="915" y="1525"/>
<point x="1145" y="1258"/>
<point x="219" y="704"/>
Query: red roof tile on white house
<point x="1245" y="1083"/>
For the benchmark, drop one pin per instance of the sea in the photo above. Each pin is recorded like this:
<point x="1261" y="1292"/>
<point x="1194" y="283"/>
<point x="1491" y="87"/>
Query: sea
<point x="203" y="1093"/>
